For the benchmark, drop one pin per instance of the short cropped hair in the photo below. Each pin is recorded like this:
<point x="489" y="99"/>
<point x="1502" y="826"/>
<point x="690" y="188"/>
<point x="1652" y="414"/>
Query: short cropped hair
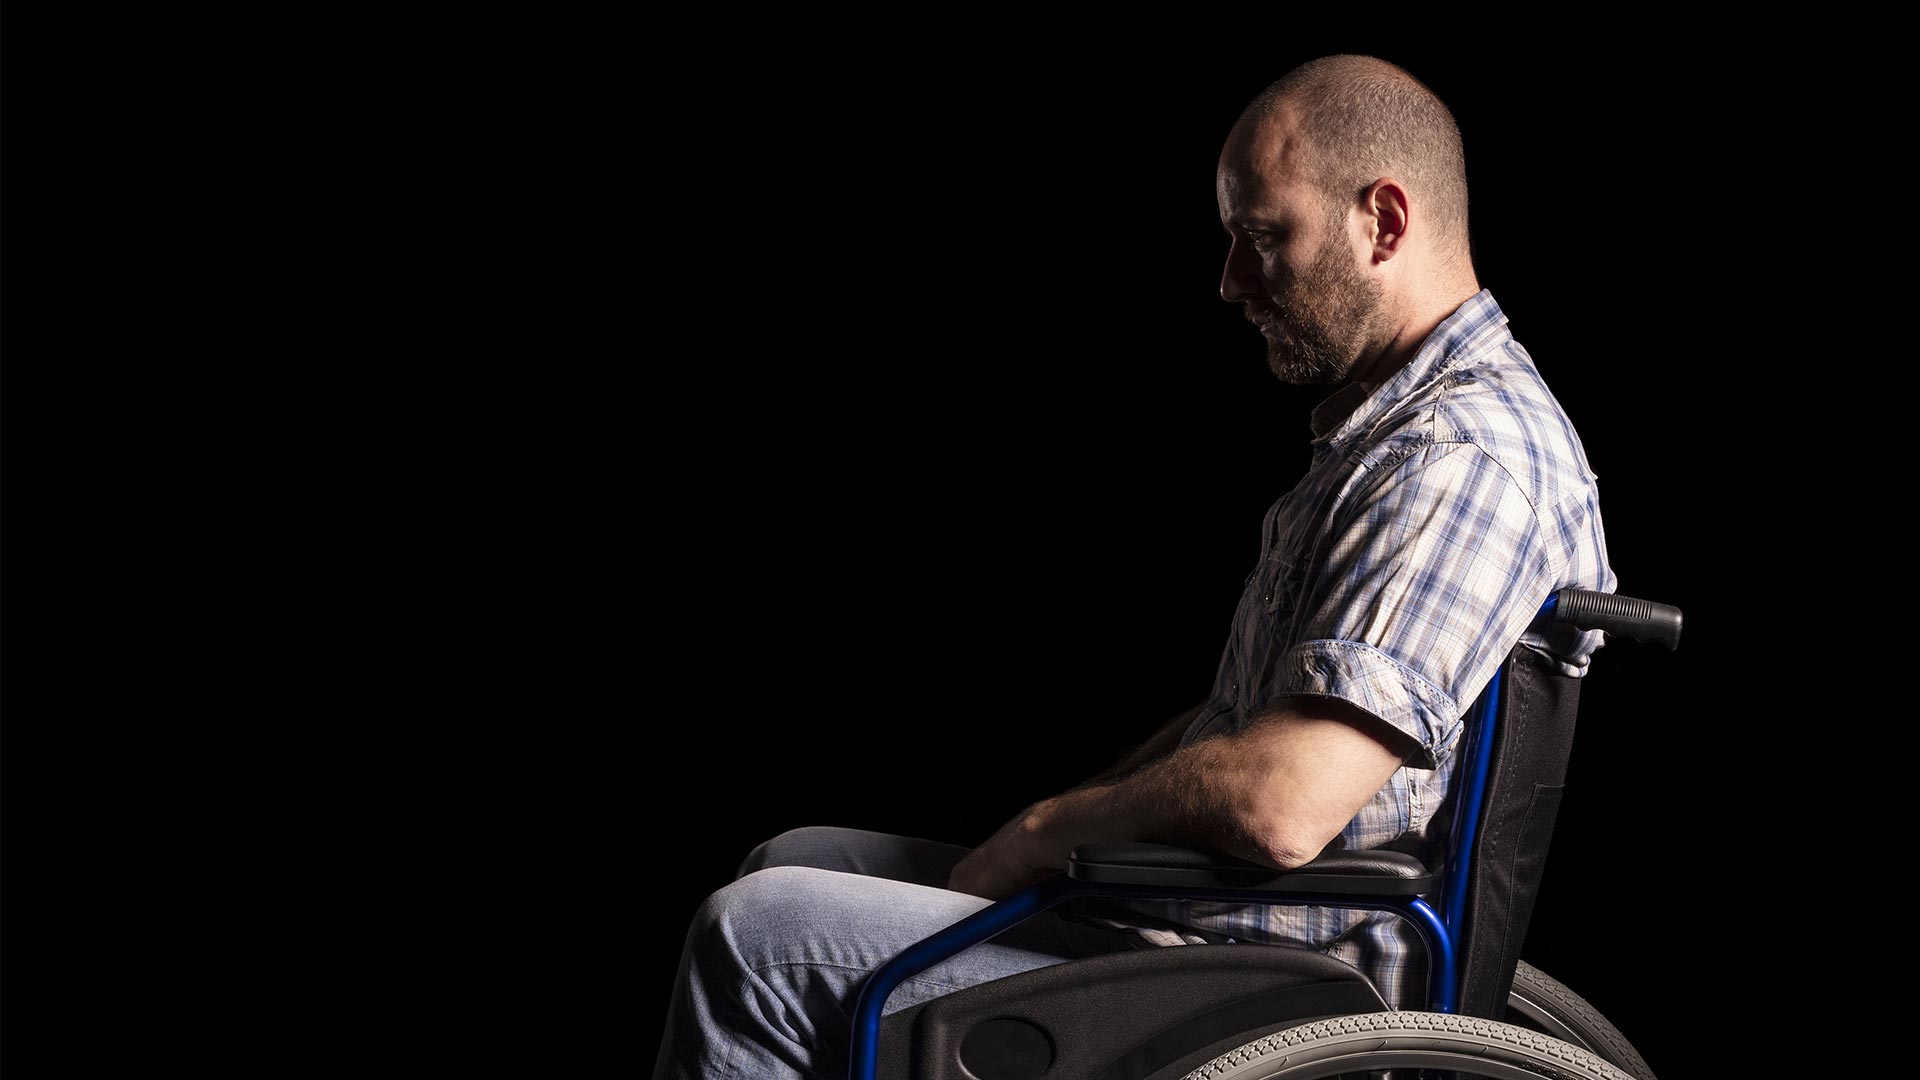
<point x="1364" y="118"/>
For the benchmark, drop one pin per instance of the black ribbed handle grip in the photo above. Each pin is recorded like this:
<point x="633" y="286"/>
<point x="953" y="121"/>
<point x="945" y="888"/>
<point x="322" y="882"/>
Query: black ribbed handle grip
<point x="1641" y="620"/>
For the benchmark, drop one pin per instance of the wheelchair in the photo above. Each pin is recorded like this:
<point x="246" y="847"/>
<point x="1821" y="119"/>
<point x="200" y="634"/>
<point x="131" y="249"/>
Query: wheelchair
<point x="1225" y="1013"/>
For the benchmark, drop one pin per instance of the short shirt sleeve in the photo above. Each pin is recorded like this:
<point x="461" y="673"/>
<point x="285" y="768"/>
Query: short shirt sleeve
<point x="1425" y="577"/>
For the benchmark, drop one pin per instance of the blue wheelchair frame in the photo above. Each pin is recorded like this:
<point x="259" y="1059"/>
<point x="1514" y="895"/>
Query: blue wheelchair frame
<point x="1440" y="930"/>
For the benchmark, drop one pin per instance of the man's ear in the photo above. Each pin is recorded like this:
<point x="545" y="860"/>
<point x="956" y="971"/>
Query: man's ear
<point x="1389" y="213"/>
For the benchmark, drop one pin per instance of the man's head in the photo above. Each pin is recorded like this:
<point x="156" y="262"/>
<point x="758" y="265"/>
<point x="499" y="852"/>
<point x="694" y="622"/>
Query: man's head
<point x="1343" y="188"/>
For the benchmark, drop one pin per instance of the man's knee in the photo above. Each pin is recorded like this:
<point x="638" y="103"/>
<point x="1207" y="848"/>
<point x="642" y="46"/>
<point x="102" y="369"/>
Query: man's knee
<point x="761" y="898"/>
<point x="742" y="917"/>
<point x="726" y="1004"/>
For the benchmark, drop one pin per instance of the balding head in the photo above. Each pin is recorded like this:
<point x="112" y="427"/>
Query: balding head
<point x="1357" y="119"/>
<point x="1344" y="194"/>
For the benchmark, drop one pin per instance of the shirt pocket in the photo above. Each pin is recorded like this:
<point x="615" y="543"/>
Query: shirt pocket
<point x="1271" y="613"/>
<point x="1282" y="573"/>
<point x="1282" y="578"/>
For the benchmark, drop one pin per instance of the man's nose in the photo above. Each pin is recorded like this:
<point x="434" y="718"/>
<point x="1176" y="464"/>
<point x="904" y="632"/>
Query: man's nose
<point x="1241" y="278"/>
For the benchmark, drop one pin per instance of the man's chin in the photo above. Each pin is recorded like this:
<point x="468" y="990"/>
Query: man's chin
<point x="1289" y="368"/>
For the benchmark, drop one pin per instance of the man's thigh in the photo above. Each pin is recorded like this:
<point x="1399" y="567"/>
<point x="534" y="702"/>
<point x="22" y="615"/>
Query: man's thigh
<point x="774" y="961"/>
<point x="793" y="915"/>
<point x="801" y="940"/>
<point x="926" y="863"/>
<point x="858" y="851"/>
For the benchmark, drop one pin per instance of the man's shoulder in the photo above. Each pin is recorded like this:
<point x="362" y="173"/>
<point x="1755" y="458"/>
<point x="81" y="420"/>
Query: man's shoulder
<point x="1498" y="405"/>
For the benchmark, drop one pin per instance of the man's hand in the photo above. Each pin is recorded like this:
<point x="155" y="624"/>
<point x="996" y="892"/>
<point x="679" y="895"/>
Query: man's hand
<point x="1022" y="852"/>
<point x="1038" y="840"/>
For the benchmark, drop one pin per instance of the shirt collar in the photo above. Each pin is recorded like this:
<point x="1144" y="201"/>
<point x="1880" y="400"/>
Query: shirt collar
<point x="1457" y="342"/>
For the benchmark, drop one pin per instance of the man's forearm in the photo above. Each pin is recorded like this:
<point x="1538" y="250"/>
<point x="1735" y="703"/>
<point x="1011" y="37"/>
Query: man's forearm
<point x="1194" y="796"/>
<point x="1275" y="791"/>
<point x="1161" y="744"/>
<point x="1164" y="800"/>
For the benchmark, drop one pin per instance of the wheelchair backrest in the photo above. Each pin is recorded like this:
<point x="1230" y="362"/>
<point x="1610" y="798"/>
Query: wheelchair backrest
<point x="1526" y="776"/>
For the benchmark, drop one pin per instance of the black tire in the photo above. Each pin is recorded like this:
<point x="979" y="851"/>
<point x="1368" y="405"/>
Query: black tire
<point x="1543" y="1003"/>
<point x="1407" y="1040"/>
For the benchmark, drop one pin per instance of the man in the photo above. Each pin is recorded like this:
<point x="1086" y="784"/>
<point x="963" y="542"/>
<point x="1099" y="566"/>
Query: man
<point x="1447" y="497"/>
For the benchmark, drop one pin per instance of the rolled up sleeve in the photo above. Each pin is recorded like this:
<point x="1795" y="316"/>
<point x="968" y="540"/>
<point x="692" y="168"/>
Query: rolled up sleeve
<point x="1426" y="577"/>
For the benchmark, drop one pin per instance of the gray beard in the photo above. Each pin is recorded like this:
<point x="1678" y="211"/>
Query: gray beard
<point x="1306" y="361"/>
<point x="1349" y="305"/>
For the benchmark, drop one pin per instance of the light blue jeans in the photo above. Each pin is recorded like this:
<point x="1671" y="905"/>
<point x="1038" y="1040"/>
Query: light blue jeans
<point x="773" y="961"/>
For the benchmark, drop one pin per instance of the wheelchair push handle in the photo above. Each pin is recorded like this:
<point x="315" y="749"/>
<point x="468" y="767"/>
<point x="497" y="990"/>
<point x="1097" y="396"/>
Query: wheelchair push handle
<point x="1641" y="620"/>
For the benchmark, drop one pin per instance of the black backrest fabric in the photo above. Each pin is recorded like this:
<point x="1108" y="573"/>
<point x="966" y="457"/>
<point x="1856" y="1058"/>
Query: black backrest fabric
<point x="1526" y="778"/>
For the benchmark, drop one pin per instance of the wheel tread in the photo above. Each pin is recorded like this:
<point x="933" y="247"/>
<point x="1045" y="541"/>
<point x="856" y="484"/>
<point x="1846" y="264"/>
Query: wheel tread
<point x="1578" y="1013"/>
<point x="1576" y="1063"/>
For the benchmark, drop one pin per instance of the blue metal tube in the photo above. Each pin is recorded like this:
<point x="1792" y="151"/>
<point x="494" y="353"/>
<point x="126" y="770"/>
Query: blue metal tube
<point x="929" y="951"/>
<point x="1443" y="967"/>
<point x="1485" y="711"/>
<point x="1482" y="718"/>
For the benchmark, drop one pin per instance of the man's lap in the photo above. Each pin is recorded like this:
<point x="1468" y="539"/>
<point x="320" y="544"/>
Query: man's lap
<point x="855" y="919"/>
<point x="773" y="961"/>
<point x="858" y="851"/>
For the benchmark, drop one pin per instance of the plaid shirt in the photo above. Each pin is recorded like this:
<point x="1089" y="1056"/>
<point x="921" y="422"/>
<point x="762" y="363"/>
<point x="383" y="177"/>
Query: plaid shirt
<point x="1438" y="513"/>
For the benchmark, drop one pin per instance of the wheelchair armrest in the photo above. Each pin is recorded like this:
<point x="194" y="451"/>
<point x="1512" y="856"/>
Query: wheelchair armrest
<point x="1354" y="873"/>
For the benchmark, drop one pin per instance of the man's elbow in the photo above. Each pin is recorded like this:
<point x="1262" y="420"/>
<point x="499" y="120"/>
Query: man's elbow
<point x="1307" y="772"/>
<point x="1280" y="841"/>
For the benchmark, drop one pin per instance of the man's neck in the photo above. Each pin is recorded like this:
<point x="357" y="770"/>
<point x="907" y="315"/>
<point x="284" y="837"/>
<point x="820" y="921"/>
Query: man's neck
<point x="1413" y="332"/>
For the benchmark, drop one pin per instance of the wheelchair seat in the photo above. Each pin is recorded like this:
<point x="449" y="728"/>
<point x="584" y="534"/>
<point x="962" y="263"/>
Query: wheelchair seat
<point x="1160" y="1013"/>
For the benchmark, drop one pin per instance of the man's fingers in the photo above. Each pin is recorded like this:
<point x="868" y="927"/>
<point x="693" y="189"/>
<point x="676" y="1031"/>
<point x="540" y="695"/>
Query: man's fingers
<point x="978" y="875"/>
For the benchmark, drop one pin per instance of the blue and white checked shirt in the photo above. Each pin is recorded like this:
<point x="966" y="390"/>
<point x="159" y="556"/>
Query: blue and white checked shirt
<point x="1438" y="513"/>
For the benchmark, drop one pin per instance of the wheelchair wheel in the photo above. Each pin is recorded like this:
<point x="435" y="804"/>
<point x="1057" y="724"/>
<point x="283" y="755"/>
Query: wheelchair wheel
<point x="1468" y="1045"/>
<point x="1543" y="1003"/>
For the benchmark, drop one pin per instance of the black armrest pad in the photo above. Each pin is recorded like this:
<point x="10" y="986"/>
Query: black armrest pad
<point x="1357" y="873"/>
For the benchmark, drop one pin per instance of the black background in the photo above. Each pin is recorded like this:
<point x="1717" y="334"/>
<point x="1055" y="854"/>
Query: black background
<point x="953" y="462"/>
<point x="638" y="445"/>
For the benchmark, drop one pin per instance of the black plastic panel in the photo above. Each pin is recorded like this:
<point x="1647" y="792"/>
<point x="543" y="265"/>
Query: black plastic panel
<point x="1353" y="873"/>
<point x="1131" y="1015"/>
